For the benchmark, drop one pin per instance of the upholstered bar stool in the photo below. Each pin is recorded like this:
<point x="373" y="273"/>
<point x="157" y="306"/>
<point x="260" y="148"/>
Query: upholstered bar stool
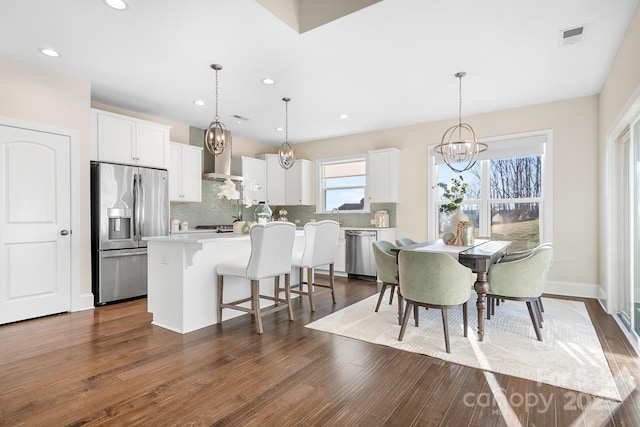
<point x="271" y="251"/>
<point x="320" y="242"/>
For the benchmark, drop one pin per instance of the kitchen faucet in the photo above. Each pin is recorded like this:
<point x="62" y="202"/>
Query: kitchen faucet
<point x="338" y="212"/>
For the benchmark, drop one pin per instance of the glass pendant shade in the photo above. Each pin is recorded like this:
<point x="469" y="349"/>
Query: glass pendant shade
<point x="459" y="146"/>
<point x="286" y="153"/>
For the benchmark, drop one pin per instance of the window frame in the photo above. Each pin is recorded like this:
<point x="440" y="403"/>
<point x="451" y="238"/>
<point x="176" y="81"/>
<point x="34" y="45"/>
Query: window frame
<point x="502" y="144"/>
<point x="320" y="189"/>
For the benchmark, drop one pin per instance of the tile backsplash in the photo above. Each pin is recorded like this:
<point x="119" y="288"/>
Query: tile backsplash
<point x="214" y="211"/>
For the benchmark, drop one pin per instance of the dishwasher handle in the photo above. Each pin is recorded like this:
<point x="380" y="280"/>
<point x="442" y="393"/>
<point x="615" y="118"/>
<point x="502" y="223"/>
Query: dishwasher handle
<point x="360" y="233"/>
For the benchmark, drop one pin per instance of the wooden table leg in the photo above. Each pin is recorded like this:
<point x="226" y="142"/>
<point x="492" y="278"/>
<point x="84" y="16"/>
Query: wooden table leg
<point x="400" y="308"/>
<point x="482" y="287"/>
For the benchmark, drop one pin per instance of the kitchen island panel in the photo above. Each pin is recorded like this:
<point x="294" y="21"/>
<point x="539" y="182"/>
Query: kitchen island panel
<point x="182" y="291"/>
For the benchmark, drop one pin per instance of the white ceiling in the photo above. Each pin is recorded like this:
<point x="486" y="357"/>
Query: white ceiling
<point x="390" y="64"/>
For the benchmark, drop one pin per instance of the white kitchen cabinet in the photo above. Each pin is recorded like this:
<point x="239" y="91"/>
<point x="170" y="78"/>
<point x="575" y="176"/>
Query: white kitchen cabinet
<point x="297" y="188"/>
<point x="287" y="187"/>
<point x="185" y="173"/>
<point x="255" y="170"/>
<point x="275" y="180"/>
<point x="122" y="139"/>
<point x="383" y="175"/>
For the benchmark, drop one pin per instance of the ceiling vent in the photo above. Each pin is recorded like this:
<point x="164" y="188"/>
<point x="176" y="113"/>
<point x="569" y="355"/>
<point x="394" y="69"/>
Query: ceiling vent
<point x="572" y="35"/>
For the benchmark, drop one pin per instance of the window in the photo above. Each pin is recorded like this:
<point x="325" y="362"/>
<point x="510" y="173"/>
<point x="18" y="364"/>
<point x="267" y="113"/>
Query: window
<point x="342" y="184"/>
<point x="509" y="195"/>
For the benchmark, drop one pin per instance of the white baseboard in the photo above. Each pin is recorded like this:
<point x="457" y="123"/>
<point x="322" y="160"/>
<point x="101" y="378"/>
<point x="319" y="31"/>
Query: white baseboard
<point x="83" y="302"/>
<point x="570" y="289"/>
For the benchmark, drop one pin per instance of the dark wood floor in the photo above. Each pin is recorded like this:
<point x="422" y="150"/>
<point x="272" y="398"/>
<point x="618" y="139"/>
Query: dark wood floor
<point x="110" y="366"/>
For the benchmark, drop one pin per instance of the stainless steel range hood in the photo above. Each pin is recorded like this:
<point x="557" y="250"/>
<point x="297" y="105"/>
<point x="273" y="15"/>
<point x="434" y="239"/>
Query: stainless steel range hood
<point x="218" y="168"/>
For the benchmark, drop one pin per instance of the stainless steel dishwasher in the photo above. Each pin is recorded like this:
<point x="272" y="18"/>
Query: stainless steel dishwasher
<point x="359" y="254"/>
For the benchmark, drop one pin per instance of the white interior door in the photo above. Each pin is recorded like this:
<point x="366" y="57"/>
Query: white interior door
<point x="35" y="245"/>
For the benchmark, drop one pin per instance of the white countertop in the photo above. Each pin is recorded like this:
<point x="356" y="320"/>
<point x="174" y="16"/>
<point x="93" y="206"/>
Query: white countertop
<point x="187" y="238"/>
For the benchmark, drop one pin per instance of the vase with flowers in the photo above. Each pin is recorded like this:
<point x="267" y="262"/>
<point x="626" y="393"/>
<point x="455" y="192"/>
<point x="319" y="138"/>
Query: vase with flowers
<point x="229" y="191"/>
<point x="454" y="194"/>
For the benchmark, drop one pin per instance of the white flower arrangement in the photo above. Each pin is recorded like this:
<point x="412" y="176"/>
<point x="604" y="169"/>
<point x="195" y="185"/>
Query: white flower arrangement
<point x="248" y="188"/>
<point x="228" y="191"/>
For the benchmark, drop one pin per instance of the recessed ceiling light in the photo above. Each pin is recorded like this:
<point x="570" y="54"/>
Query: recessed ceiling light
<point x="199" y="102"/>
<point x="268" y="81"/>
<point x="344" y="116"/>
<point x="279" y="129"/>
<point x="50" y="52"/>
<point x="116" y="4"/>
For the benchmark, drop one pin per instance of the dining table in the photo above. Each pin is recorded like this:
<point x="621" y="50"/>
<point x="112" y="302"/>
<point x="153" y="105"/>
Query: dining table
<point x="478" y="257"/>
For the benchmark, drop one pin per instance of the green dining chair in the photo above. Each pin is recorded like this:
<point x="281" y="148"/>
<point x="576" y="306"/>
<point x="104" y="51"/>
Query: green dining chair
<point x="433" y="280"/>
<point x="405" y="241"/>
<point x="523" y="279"/>
<point x="387" y="268"/>
<point x="514" y="256"/>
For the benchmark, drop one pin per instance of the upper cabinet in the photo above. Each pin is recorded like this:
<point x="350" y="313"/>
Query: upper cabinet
<point x="275" y="180"/>
<point x="122" y="139"/>
<point x="252" y="169"/>
<point x="185" y="173"/>
<point x="297" y="188"/>
<point x="383" y="175"/>
<point x="287" y="187"/>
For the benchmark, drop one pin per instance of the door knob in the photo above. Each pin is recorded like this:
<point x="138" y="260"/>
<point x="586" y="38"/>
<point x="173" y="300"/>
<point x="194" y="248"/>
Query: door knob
<point x="64" y="232"/>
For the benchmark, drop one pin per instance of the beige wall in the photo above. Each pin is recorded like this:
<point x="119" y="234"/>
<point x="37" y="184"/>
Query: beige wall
<point x="575" y="217"/>
<point x="619" y="104"/>
<point x="38" y="96"/>
<point x="623" y="81"/>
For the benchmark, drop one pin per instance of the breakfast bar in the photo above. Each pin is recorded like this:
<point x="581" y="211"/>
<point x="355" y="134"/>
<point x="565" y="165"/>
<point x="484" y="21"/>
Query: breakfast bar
<point x="182" y="291"/>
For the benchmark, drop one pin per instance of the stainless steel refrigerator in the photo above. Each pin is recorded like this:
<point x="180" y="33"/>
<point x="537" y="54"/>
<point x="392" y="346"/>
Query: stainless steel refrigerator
<point x="127" y="204"/>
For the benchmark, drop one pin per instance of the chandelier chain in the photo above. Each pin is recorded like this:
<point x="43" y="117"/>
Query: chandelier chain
<point x="216" y="116"/>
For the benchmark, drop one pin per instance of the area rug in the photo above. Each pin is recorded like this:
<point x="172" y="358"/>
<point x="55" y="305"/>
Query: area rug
<point x="570" y="355"/>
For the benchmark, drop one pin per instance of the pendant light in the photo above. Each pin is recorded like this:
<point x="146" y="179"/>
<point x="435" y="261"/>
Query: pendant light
<point x="286" y="153"/>
<point x="217" y="137"/>
<point x="459" y="145"/>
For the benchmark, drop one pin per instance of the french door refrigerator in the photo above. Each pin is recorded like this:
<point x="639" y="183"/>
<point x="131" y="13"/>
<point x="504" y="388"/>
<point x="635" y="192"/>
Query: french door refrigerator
<point x="127" y="204"/>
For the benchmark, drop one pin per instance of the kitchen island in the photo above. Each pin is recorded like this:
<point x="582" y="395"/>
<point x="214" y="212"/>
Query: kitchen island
<point x="182" y="285"/>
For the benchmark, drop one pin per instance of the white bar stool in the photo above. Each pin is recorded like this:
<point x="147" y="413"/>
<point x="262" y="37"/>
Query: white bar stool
<point x="320" y="243"/>
<point x="271" y="251"/>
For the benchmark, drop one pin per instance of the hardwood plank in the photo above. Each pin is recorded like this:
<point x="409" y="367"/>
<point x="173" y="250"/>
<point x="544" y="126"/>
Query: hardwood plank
<point x="110" y="366"/>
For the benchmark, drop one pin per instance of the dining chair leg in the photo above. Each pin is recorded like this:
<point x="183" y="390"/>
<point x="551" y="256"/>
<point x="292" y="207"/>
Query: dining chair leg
<point x="541" y="306"/>
<point x="534" y="320"/>
<point x="393" y="288"/>
<point x="220" y="285"/>
<point x="488" y="300"/>
<point x="287" y="294"/>
<point x="405" y="320"/>
<point x="416" y="315"/>
<point x="400" y="307"/>
<point x="384" y="287"/>
<point x="331" y="282"/>
<point x="310" y="287"/>
<point x="445" y="326"/>
<point x="538" y="312"/>
<point x="255" y="304"/>
<point x="465" y="319"/>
